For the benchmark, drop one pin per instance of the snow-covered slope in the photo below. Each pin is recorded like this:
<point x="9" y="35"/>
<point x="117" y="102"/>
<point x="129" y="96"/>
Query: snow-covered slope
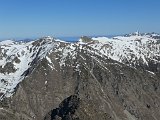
<point x="133" y="49"/>
<point x="16" y="59"/>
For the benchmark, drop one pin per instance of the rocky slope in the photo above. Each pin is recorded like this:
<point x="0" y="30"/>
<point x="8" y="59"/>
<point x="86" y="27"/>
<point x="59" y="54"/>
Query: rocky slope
<point x="95" y="78"/>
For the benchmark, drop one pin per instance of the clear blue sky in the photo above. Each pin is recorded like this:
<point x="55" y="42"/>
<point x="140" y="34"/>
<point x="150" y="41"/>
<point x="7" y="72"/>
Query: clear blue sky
<point x="35" y="18"/>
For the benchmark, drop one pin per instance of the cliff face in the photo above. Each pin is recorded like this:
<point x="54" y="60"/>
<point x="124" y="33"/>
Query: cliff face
<point x="75" y="81"/>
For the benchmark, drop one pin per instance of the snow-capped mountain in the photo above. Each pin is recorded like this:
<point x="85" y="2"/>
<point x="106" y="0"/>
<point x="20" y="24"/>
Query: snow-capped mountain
<point x="18" y="58"/>
<point x="134" y="49"/>
<point x="95" y="78"/>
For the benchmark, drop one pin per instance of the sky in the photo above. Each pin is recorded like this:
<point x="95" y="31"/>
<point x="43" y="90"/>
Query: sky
<point x="37" y="18"/>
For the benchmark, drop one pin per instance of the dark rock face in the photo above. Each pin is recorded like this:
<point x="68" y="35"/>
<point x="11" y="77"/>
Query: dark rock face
<point x="8" y="68"/>
<point x="86" y="39"/>
<point x="66" y="109"/>
<point x="87" y="86"/>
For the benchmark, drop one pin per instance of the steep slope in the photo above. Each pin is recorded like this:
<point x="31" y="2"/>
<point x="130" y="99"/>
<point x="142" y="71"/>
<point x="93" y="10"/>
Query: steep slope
<point x="77" y="81"/>
<point x="17" y="60"/>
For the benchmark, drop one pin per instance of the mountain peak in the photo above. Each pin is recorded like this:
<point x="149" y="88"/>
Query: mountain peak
<point x="137" y="33"/>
